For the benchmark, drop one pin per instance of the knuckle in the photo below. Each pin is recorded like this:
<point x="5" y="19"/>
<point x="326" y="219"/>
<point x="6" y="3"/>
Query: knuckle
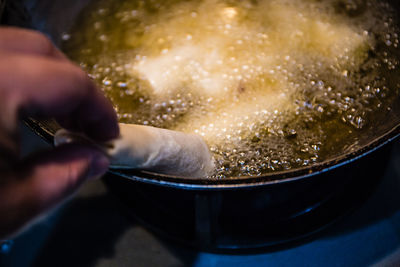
<point x="73" y="82"/>
<point x="43" y="43"/>
<point x="81" y="78"/>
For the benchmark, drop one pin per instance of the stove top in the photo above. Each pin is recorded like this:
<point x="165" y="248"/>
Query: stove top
<point x="93" y="230"/>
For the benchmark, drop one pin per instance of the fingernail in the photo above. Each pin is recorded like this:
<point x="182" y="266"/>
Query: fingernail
<point x="98" y="166"/>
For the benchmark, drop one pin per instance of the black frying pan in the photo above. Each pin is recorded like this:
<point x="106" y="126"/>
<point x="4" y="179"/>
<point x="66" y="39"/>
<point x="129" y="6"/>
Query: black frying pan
<point x="243" y="212"/>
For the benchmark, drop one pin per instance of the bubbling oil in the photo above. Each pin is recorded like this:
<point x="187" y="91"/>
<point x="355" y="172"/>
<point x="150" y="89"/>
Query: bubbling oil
<point x="270" y="85"/>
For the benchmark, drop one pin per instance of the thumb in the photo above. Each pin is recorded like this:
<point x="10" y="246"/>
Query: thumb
<point x="44" y="181"/>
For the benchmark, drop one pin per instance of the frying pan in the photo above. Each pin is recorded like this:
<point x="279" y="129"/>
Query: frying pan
<point x="245" y="212"/>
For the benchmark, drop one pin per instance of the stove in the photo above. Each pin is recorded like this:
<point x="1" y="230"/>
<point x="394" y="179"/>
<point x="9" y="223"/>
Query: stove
<point x="94" y="229"/>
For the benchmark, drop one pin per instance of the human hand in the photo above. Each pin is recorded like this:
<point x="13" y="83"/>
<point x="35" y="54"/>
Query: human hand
<point x="37" y="80"/>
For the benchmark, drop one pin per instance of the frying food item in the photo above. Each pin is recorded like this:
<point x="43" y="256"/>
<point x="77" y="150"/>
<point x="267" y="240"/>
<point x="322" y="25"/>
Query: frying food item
<point x="153" y="149"/>
<point x="270" y="85"/>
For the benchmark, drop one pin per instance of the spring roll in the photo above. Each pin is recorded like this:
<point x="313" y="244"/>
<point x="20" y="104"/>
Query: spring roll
<point x="152" y="149"/>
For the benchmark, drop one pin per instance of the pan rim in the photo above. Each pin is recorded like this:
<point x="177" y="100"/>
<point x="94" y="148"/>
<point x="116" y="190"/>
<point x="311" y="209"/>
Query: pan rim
<point x="40" y="127"/>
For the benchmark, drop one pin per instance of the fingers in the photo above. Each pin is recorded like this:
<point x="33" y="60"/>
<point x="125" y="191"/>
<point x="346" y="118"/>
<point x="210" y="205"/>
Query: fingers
<point x="17" y="40"/>
<point x="37" y="80"/>
<point x="27" y="71"/>
<point x="39" y="86"/>
<point x="45" y="182"/>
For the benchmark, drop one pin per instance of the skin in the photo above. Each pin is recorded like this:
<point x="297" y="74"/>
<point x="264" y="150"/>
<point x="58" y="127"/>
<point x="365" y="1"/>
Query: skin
<point x="37" y="80"/>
